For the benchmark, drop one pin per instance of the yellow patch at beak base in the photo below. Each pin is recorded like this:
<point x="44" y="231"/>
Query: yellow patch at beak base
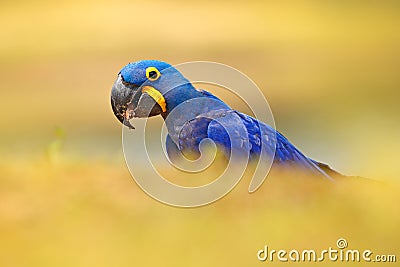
<point x="156" y="95"/>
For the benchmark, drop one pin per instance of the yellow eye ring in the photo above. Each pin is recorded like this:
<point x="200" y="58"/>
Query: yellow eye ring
<point x="152" y="73"/>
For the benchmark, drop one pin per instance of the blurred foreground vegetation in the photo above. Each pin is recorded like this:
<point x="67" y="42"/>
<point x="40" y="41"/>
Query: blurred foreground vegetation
<point x="92" y="213"/>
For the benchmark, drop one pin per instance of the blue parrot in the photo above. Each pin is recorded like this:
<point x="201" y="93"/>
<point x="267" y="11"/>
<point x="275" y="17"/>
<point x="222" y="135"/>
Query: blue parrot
<point x="149" y="87"/>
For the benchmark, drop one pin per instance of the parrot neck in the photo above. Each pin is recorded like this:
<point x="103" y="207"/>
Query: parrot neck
<point x="178" y="95"/>
<point x="198" y="102"/>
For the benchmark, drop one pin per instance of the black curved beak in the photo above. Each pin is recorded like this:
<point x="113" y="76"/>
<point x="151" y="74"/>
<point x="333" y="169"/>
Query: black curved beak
<point x="122" y="95"/>
<point x="130" y="101"/>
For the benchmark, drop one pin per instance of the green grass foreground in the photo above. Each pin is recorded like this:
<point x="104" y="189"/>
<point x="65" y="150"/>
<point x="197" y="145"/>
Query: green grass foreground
<point x="92" y="213"/>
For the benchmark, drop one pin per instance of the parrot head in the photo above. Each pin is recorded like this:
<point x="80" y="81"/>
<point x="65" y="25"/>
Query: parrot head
<point x="135" y="93"/>
<point x="148" y="88"/>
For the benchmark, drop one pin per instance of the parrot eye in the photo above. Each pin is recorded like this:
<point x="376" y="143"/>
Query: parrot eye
<point x="152" y="73"/>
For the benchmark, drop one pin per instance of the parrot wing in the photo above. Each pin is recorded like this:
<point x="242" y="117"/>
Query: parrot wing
<point x="247" y="135"/>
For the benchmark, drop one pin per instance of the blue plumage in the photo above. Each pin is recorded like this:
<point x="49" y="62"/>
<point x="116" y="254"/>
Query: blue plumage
<point x="203" y="115"/>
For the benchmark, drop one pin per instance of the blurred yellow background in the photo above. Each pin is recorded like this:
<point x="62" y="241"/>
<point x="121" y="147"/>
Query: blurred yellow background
<point x="329" y="70"/>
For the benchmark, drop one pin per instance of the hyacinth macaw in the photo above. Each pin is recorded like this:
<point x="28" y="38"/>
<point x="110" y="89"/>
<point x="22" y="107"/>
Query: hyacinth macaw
<point x="150" y="87"/>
